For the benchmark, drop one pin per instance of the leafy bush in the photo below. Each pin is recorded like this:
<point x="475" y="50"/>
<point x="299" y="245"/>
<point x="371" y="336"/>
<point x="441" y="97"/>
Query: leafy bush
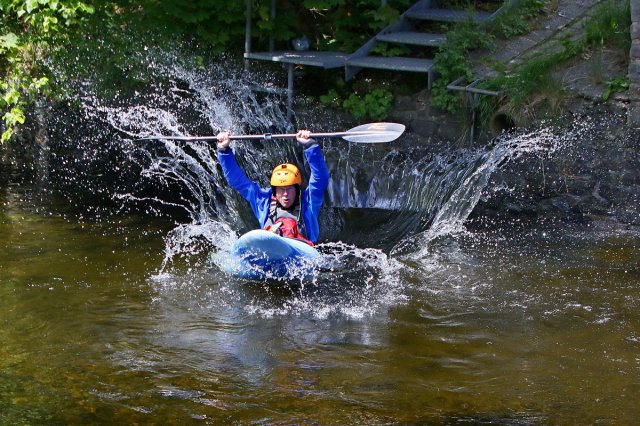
<point x="610" y="24"/>
<point x="27" y="30"/>
<point x="375" y="104"/>
<point x="616" y="84"/>
<point x="345" y="25"/>
<point x="518" y="20"/>
<point x="34" y="30"/>
<point x="452" y="62"/>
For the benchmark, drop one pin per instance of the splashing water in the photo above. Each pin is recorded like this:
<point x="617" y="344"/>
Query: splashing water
<point x="397" y="202"/>
<point x="471" y="182"/>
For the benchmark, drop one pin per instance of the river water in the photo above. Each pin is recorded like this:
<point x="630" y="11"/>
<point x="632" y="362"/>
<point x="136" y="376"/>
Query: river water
<point x="427" y="317"/>
<point x="514" y="323"/>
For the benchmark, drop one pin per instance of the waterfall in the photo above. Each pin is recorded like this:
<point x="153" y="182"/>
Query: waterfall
<point x="379" y="196"/>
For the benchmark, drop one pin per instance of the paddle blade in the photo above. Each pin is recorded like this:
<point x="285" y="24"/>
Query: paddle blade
<point x="374" y="133"/>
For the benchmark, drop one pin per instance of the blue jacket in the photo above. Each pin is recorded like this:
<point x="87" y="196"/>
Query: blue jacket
<point x="260" y="198"/>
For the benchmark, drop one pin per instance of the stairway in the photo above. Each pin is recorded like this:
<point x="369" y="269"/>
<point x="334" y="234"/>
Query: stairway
<point x="406" y="32"/>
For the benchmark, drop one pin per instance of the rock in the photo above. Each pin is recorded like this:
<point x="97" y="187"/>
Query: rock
<point x="634" y="115"/>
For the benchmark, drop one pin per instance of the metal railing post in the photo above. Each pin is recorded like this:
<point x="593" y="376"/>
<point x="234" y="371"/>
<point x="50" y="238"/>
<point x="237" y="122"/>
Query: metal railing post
<point x="290" y="91"/>
<point x="247" y="34"/>
<point x="272" y="16"/>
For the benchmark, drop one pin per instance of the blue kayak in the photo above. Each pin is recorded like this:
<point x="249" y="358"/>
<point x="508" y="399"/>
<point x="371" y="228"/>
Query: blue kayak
<point x="263" y="255"/>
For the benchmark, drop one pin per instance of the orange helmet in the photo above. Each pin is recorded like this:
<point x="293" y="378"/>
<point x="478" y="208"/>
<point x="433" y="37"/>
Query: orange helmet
<point x="285" y="175"/>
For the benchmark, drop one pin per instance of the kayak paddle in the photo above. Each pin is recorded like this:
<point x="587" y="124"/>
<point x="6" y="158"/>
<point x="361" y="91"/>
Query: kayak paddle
<point x="366" y="133"/>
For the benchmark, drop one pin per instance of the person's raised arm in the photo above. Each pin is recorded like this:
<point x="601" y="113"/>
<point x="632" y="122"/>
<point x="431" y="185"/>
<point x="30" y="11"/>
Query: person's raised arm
<point x="224" y="139"/>
<point x="319" y="178"/>
<point x="232" y="171"/>
<point x="304" y="138"/>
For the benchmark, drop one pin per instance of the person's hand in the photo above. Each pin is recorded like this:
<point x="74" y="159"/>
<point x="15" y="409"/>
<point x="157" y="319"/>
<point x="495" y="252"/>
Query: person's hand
<point x="304" y="137"/>
<point x="224" y="139"/>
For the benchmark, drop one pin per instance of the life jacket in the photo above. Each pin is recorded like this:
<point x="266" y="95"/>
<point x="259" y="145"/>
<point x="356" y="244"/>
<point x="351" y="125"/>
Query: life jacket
<point x="286" y="223"/>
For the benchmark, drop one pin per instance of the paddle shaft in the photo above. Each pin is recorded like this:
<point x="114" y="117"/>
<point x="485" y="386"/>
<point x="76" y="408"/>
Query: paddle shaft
<point x="366" y="133"/>
<point x="269" y="136"/>
<point x="264" y="137"/>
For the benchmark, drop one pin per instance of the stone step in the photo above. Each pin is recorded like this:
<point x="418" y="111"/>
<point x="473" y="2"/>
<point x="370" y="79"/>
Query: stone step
<point x="394" y="63"/>
<point x="448" y="15"/>
<point x="413" y="38"/>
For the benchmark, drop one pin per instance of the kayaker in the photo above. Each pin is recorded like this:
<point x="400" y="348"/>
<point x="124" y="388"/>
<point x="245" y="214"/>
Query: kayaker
<point x="285" y="208"/>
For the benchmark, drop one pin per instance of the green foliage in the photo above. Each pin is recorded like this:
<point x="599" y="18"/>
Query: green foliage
<point x="44" y="16"/>
<point x="532" y="81"/>
<point x="452" y="61"/>
<point x="214" y="22"/>
<point x="28" y="28"/>
<point x="8" y="42"/>
<point x="532" y="77"/>
<point x="95" y="38"/>
<point x="616" y="84"/>
<point x="331" y="99"/>
<point x="531" y="84"/>
<point x="345" y="25"/>
<point x="383" y="16"/>
<point x="374" y="105"/>
<point x="387" y="49"/>
<point x="610" y="25"/>
<point x="517" y="20"/>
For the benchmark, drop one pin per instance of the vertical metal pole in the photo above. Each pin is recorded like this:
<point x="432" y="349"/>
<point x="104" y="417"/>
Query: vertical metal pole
<point x="272" y="16"/>
<point x="633" y="111"/>
<point x="290" y="92"/>
<point x="474" y="115"/>
<point x="247" y="34"/>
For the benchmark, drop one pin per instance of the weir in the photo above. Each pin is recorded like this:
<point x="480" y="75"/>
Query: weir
<point x="401" y="188"/>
